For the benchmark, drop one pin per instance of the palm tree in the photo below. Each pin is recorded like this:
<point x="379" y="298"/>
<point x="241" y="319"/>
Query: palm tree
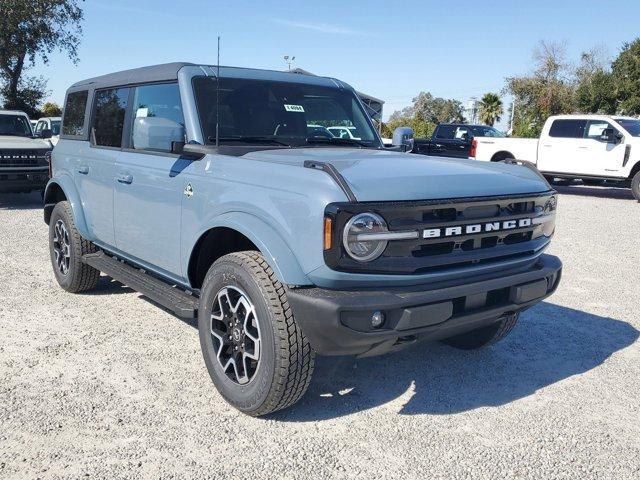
<point x="490" y="109"/>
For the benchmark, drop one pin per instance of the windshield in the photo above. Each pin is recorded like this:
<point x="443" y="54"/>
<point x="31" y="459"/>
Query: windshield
<point x="281" y="113"/>
<point x="630" y="125"/>
<point x="55" y="127"/>
<point x="15" y="125"/>
<point x="485" y="131"/>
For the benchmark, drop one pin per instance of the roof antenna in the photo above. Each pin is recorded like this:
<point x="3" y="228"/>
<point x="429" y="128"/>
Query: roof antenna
<point x="218" y="96"/>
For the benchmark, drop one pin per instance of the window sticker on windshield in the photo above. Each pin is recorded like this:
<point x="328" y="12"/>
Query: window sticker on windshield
<point x="142" y="112"/>
<point x="294" y="108"/>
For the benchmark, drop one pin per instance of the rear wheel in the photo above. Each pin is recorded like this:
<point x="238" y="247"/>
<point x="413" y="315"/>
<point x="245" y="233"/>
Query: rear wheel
<point x="256" y="355"/>
<point x="67" y="247"/>
<point x="485" y="336"/>
<point x="635" y="186"/>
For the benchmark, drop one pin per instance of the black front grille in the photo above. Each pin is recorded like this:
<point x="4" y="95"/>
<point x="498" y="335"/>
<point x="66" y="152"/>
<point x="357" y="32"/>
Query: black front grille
<point x="444" y="251"/>
<point x="22" y="158"/>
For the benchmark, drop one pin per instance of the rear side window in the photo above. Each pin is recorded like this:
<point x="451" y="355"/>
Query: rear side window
<point x="568" y="128"/>
<point x="109" y="115"/>
<point x="446" y="131"/>
<point x="73" y="123"/>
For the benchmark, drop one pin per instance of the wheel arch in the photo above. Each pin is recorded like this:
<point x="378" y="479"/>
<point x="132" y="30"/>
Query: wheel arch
<point x="635" y="169"/>
<point x="501" y="155"/>
<point x="63" y="189"/>
<point x="239" y="231"/>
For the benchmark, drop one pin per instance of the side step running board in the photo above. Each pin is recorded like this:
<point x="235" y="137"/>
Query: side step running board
<point x="170" y="297"/>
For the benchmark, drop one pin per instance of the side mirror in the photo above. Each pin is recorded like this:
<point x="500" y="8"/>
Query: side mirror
<point x="403" y="138"/>
<point x="156" y="133"/>
<point x="45" y="134"/>
<point x="609" y="135"/>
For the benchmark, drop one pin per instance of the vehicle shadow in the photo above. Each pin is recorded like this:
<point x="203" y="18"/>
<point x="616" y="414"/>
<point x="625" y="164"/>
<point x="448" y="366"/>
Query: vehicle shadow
<point x="596" y="192"/>
<point x="20" y="201"/>
<point x="551" y="343"/>
<point x="108" y="286"/>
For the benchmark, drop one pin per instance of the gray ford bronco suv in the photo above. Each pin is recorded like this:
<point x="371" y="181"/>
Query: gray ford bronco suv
<point x="220" y="194"/>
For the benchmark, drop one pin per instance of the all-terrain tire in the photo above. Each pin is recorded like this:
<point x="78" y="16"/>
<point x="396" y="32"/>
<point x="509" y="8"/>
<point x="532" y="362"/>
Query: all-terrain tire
<point x="79" y="277"/>
<point x="485" y="336"/>
<point x="286" y="362"/>
<point x="635" y="186"/>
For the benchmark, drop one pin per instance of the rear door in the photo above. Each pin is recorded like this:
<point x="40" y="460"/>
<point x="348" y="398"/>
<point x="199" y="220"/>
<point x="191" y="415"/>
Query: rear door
<point x="564" y="149"/>
<point x="93" y="163"/>
<point x="442" y="137"/>
<point x="149" y="181"/>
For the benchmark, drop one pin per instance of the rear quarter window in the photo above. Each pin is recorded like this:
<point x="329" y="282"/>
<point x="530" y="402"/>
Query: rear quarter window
<point x="74" y="111"/>
<point x="567" y="128"/>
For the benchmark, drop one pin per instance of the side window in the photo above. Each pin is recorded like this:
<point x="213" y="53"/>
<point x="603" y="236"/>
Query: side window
<point x="568" y="128"/>
<point x="73" y="122"/>
<point x="109" y="114"/>
<point x="39" y="127"/>
<point x="446" y="131"/>
<point x="595" y="128"/>
<point x="157" y="117"/>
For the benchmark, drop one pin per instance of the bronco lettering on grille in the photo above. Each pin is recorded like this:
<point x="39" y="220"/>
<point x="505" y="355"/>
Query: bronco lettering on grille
<point x="476" y="228"/>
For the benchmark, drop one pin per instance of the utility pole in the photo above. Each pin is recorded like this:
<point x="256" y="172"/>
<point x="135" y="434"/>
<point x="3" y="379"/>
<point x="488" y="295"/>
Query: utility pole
<point x="289" y="60"/>
<point x="513" y="112"/>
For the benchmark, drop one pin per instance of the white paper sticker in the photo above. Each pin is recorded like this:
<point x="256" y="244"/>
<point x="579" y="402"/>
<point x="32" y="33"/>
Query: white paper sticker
<point x="294" y="108"/>
<point x="142" y="112"/>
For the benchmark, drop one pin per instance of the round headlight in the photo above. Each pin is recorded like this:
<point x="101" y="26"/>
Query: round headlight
<point x="355" y="236"/>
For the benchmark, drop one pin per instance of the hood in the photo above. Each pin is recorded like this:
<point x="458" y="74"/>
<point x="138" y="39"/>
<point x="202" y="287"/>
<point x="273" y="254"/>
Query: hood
<point x="11" y="142"/>
<point x="378" y="175"/>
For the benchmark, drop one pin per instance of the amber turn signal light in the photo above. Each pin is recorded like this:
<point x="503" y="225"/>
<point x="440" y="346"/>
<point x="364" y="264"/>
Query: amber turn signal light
<point x="328" y="228"/>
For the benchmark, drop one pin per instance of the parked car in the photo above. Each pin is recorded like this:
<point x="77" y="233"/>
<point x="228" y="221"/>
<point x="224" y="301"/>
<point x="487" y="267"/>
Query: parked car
<point x="48" y="123"/>
<point x="318" y="131"/>
<point x="23" y="158"/>
<point x="344" y="132"/>
<point x="286" y="245"/>
<point x="587" y="147"/>
<point x="453" y="139"/>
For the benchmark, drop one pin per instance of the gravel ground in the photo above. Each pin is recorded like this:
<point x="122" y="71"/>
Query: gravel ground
<point x="107" y="385"/>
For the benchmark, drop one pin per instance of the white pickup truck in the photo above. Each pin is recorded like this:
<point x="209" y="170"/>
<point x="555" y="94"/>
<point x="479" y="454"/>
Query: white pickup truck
<point x="588" y="147"/>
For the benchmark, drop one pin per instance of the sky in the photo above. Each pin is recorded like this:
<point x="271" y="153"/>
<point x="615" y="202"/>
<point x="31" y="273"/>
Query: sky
<point x="391" y="50"/>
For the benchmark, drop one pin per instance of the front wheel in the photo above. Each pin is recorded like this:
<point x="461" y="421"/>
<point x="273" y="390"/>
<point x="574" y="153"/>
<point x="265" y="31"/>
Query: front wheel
<point x="635" y="186"/>
<point x="485" y="336"/>
<point x="256" y="355"/>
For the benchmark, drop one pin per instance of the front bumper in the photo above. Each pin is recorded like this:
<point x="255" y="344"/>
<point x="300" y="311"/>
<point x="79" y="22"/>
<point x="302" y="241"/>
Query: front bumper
<point x="337" y="322"/>
<point x="27" y="180"/>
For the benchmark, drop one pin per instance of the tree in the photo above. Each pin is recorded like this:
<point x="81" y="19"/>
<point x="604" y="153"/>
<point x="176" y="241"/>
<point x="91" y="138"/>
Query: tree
<point x="51" y="109"/>
<point x="548" y="90"/>
<point x="31" y="30"/>
<point x="490" y="109"/>
<point x="30" y="93"/>
<point x="595" y="88"/>
<point x="424" y="114"/>
<point x="626" y="77"/>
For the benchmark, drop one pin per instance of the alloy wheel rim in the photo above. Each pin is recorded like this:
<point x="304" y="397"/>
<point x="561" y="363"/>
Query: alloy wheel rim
<point x="61" y="247"/>
<point x="236" y="334"/>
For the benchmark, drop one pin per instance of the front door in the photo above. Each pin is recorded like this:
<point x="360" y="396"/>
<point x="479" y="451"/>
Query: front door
<point x="149" y="182"/>
<point x="604" y="158"/>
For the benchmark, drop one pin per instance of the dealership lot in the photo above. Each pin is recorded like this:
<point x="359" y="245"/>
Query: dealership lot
<point x="108" y="385"/>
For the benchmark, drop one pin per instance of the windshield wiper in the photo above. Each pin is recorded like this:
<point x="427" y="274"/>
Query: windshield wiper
<point x="250" y="139"/>
<point x="337" y="141"/>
